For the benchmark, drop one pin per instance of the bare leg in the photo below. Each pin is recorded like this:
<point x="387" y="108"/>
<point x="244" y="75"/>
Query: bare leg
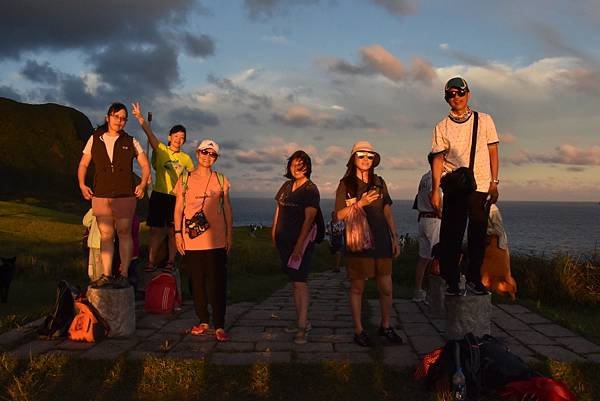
<point x="301" y="299"/>
<point x="384" y="285"/>
<point x="172" y="246"/>
<point x="422" y="264"/>
<point x="157" y="234"/>
<point x="106" y="226"/>
<point x="357" y="288"/>
<point x="125" y="244"/>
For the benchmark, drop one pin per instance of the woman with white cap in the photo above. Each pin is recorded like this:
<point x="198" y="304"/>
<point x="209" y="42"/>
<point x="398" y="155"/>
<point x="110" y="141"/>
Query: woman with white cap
<point x="361" y="189"/>
<point x="203" y="234"/>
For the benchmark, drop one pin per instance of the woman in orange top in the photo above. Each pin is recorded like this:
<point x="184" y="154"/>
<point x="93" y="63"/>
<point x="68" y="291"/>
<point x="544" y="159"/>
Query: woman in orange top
<point x="203" y="235"/>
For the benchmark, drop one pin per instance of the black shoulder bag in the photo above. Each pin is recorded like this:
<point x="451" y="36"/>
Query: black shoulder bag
<point x="462" y="180"/>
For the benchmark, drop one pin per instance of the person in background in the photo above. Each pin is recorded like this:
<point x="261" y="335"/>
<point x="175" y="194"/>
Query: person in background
<point x="293" y="224"/>
<point x="114" y="195"/>
<point x="361" y="187"/>
<point x="428" y="231"/>
<point x="203" y="224"/>
<point x="169" y="162"/>
<point x="335" y="228"/>
<point x="451" y="146"/>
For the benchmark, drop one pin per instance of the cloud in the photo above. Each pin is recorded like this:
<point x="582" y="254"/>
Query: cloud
<point x="42" y="73"/>
<point x="30" y="25"/>
<point x="8" y="92"/>
<point x="198" y="45"/>
<point x="398" y="163"/>
<point x="264" y="9"/>
<point x="507" y="138"/>
<point x="397" y="7"/>
<point x="296" y="116"/>
<point x="239" y="95"/>
<point x="376" y="59"/>
<point x="564" y="154"/>
<point x="276" y="154"/>
<point x="299" y="116"/>
<point x="197" y="119"/>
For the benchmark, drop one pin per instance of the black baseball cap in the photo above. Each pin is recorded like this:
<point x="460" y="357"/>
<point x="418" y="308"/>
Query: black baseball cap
<point x="458" y="83"/>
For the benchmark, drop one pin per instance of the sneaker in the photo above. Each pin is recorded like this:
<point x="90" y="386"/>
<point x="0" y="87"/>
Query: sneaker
<point x="420" y="296"/>
<point x="293" y="328"/>
<point x="103" y="281"/>
<point x="455" y="292"/>
<point x="363" y="339"/>
<point x="221" y="335"/>
<point x="390" y="334"/>
<point x="121" y="282"/>
<point x="301" y="336"/>
<point x="199" y="329"/>
<point x="476" y="288"/>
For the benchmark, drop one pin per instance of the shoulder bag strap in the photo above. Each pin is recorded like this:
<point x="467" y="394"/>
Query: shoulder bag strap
<point x="473" y="140"/>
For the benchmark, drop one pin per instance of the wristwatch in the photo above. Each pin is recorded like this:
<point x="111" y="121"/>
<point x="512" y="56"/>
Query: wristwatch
<point x="496" y="181"/>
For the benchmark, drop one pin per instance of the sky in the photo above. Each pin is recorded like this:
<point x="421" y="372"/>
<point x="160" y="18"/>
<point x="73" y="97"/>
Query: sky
<point x="264" y="78"/>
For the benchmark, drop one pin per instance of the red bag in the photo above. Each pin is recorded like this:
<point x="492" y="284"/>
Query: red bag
<point x="87" y="326"/>
<point x="543" y="388"/>
<point x="161" y="294"/>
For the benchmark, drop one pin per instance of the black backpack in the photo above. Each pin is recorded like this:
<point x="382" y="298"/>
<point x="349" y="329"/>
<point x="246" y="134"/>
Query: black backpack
<point x="57" y="323"/>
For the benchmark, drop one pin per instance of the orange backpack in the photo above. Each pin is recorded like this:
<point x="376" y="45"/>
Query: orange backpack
<point x="87" y="326"/>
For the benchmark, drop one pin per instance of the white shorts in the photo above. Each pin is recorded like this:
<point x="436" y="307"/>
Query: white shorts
<point x="429" y="235"/>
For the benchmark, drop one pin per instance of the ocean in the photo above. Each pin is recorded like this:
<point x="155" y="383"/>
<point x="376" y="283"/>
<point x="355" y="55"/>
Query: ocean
<point x="537" y="228"/>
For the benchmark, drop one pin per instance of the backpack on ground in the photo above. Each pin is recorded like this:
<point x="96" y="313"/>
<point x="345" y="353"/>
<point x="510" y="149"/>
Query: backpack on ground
<point x="87" y="326"/>
<point x="57" y="323"/>
<point x="161" y="294"/>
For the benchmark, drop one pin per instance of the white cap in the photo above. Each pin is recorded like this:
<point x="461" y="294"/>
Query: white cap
<point x="208" y="144"/>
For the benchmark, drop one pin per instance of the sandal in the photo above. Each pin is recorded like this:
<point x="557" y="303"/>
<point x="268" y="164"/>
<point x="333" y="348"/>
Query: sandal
<point x="221" y="335"/>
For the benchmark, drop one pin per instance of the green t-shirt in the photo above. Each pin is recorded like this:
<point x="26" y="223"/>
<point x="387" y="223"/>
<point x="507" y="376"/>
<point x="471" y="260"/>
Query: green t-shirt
<point x="168" y="166"/>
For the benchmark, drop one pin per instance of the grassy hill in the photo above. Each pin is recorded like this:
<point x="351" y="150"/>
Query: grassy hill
<point x="41" y="147"/>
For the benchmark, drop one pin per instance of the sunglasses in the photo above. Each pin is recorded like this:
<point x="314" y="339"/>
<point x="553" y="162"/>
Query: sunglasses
<point x="362" y="155"/>
<point x="205" y="152"/>
<point x="453" y="94"/>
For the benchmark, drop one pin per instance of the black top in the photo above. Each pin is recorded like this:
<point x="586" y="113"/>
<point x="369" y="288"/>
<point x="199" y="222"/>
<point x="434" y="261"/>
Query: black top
<point x="291" y="212"/>
<point x="375" y="217"/>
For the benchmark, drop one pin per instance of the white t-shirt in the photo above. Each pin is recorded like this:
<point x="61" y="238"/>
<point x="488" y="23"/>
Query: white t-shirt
<point x="109" y="142"/>
<point x="425" y="186"/>
<point x="454" y="139"/>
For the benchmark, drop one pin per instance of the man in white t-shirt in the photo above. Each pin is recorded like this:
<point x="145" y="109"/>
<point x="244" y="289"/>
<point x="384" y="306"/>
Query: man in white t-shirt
<point x="451" y="145"/>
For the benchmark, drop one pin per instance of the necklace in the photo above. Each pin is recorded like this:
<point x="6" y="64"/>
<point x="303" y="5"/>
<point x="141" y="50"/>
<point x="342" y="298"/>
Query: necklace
<point x="460" y="118"/>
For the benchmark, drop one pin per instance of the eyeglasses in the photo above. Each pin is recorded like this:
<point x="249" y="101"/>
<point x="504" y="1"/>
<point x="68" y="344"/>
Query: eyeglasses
<point x="362" y="155"/>
<point x="119" y="118"/>
<point x="205" y="152"/>
<point x="453" y="94"/>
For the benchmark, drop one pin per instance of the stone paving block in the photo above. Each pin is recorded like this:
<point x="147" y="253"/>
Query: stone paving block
<point x="557" y="353"/>
<point x="264" y="323"/>
<point x="245" y="330"/>
<point x="259" y="315"/>
<point x="179" y="326"/>
<point x="511" y="323"/>
<point x="70" y="345"/>
<point x="143" y="333"/>
<point x="199" y="339"/>
<point x="513" y="309"/>
<point x="160" y="336"/>
<point x="411" y="317"/>
<point x="553" y="330"/>
<point x="34" y="348"/>
<point x="419" y="329"/>
<point x="110" y="349"/>
<point x="249" y="358"/>
<point x="141" y="355"/>
<point x="426" y="344"/>
<point x="312" y="347"/>
<point x="439" y="324"/>
<point x="67" y="353"/>
<point x="344" y="331"/>
<point x="531" y="318"/>
<point x="401" y="356"/>
<point x="579" y="345"/>
<point x="196" y="350"/>
<point x="329" y="324"/>
<point x="406" y="307"/>
<point x="269" y="346"/>
<point x="350" y="347"/>
<point x="232" y="346"/>
<point x="521" y="351"/>
<point x="351" y="357"/>
<point x="20" y="334"/>
<point x="331" y="338"/>
<point x="156" y="346"/>
<point x="152" y="322"/>
<point x="532" y="337"/>
<point x="594" y="358"/>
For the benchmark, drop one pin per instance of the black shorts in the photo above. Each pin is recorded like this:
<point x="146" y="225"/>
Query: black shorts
<point x="161" y="209"/>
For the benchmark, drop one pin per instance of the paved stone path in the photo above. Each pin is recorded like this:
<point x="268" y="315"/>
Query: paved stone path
<point x="257" y="333"/>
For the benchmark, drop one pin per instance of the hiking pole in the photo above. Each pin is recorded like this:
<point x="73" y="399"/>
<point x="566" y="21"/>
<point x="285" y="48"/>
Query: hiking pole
<point x="149" y="186"/>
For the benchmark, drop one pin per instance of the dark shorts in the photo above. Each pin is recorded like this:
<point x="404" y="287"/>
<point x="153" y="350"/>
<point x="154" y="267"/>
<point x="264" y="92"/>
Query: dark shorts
<point x="300" y="275"/>
<point x="161" y="209"/>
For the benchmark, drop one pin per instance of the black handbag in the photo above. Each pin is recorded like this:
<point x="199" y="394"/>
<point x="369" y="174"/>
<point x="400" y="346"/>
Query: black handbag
<point x="462" y="180"/>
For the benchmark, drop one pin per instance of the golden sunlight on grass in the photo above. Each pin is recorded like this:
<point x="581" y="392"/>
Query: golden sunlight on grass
<point x="260" y="378"/>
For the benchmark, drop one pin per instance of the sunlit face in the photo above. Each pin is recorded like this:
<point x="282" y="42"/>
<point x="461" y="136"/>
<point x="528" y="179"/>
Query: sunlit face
<point x="206" y="157"/>
<point x="176" y="140"/>
<point x="298" y="169"/>
<point x="458" y="99"/>
<point x="364" y="160"/>
<point x="117" y="120"/>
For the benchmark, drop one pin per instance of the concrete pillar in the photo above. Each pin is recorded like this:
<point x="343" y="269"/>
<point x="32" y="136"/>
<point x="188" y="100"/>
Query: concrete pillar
<point x="117" y="307"/>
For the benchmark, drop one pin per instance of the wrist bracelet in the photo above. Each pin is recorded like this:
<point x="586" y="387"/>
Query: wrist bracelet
<point x="177" y="231"/>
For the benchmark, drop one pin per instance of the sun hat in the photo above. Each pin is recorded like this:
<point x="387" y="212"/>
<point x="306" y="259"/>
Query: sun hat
<point x="208" y="144"/>
<point x="364" y="146"/>
<point x="458" y="83"/>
